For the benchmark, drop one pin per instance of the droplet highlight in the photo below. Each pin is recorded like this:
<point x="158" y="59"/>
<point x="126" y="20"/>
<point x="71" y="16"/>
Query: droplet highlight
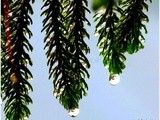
<point x="114" y="79"/>
<point x="73" y="112"/>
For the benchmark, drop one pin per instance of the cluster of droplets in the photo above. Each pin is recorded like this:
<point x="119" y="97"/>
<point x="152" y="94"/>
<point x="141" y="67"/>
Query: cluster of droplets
<point x="114" y="79"/>
<point x="73" y="112"/>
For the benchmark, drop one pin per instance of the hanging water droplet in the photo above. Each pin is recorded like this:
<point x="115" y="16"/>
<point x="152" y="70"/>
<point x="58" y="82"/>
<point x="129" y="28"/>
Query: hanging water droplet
<point x="73" y="112"/>
<point x="114" y="79"/>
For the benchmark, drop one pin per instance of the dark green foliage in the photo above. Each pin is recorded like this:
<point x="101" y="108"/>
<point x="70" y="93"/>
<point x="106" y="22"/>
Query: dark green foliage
<point x="65" y="32"/>
<point x="96" y="4"/>
<point x="119" y="26"/>
<point x="15" y="74"/>
<point x="120" y="30"/>
<point x="129" y="35"/>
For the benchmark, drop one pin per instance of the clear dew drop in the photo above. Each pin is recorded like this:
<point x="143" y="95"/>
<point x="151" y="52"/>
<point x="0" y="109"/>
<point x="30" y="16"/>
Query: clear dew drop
<point x="114" y="79"/>
<point x="73" y="112"/>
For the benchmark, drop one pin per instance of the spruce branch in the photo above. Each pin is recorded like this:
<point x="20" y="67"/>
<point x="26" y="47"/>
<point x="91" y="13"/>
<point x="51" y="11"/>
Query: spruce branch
<point x="65" y="46"/>
<point x="107" y="19"/>
<point x="119" y="29"/>
<point x="129" y="30"/>
<point x="76" y="34"/>
<point x="15" y="74"/>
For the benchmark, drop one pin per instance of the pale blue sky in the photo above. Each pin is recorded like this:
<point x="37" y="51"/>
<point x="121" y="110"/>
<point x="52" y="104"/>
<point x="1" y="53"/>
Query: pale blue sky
<point x="134" y="98"/>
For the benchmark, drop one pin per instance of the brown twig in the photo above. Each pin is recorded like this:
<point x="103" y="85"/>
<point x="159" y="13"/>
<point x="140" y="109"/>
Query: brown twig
<point x="7" y="31"/>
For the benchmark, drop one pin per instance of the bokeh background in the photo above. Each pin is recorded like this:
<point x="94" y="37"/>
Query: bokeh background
<point x="134" y="98"/>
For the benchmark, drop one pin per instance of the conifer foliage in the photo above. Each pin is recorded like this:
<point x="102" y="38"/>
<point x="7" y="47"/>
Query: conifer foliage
<point x="65" y="32"/>
<point x="119" y="25"/>
<point x="15" y="59"/>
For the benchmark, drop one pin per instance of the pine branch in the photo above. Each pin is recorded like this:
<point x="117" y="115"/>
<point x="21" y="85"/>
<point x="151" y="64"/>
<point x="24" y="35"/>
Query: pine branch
<point x="119" y="29"/>
<point x="15" y="74"/>
<point x="106" y="29"/>
<point x="65" y="45"/>
<point x="129" y="36"/>
<point x="76" y="33"/>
